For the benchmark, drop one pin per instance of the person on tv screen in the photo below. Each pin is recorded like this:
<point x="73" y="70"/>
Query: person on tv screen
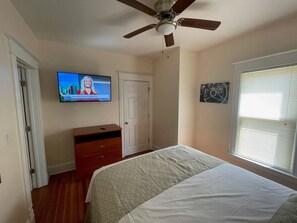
<point x="87" y="86"/>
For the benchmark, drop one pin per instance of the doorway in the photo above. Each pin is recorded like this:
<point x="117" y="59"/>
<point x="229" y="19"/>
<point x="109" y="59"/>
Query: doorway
<point x="135" y="112"/>
<point x="29" y="116"/>
<point x="20" y="56"/>
<point x="25" y="99"/>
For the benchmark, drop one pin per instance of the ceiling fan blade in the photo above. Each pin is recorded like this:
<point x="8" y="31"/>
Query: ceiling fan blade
<point x="169" y="40"/>
<point x="139" y="6"/>
<point x="141" y="30"/>
<point x="199" y="23"/>
<point x="181" y="5"/>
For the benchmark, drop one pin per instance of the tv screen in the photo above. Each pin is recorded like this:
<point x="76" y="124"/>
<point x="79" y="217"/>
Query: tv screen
<point x="74" y="87"/>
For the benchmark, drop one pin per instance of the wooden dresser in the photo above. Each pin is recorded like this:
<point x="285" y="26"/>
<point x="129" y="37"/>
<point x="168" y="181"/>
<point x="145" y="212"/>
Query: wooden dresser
<point x="95" y="147"/>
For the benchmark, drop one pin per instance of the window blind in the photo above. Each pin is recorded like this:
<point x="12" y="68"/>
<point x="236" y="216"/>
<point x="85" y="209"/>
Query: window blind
<point x="266" y="126"/>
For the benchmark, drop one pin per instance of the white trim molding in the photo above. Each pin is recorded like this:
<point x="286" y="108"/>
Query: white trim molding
<point x="18" y="52"/>
<point x="61" y="168"/>
<point x="31" y="215"/>
<point x="155" y="147"/>
<point x="283" y="59"/>
<point x="135" y="77"/>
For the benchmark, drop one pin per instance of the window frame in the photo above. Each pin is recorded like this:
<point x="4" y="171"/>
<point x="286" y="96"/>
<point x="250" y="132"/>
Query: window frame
<point x="284" y="59"/>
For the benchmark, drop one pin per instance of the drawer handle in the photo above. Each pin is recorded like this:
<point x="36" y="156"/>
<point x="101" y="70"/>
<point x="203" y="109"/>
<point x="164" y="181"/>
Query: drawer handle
<point x="100" y="156"/>
<point x="101" y="146"/>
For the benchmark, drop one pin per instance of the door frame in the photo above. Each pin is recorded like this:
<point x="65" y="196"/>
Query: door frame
<point x="23" y="72"/>
<point x="19" y="53"/>
<point x="135" y="77"/>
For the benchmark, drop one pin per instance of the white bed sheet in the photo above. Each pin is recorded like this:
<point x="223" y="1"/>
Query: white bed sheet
<point x="224" y="194"/>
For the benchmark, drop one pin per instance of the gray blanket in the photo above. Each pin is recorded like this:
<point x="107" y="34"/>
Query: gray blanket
<point x="287" y="213"/>
<point x="119" y="189"/>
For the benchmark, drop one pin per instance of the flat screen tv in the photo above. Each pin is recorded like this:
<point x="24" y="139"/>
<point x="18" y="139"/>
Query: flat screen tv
<point x="74" y="87"/>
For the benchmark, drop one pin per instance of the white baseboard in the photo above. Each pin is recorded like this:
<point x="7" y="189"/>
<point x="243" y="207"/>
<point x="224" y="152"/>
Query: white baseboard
<point x="155" y="147"/>
<point x="61" y="168"/>
<point x="31" y="214"/>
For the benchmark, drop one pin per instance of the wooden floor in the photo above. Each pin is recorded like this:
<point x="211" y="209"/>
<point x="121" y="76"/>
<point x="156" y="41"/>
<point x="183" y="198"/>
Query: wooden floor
<point x="63" y="199"/>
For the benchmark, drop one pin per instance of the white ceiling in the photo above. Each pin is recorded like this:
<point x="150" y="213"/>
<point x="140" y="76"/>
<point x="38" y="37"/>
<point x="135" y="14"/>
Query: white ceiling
<point x="102" y="23"/>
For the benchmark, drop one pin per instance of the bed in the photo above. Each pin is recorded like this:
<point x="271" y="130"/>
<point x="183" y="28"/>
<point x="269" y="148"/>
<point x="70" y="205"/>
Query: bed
<point x="182" y="184"/>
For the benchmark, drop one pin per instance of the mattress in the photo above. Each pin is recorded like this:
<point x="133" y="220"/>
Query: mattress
<point x="181" y="184"/>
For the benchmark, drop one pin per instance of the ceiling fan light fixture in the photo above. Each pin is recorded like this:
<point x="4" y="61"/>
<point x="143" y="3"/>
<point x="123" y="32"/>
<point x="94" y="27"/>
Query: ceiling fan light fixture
<point x="166" y="27"/>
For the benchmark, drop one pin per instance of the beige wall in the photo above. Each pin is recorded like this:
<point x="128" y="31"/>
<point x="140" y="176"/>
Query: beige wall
<point x="215" y="64"/>
<point x="188" y="95"/>
<point x="175" y="92"/>
<point x="61" y="118"/>
<point x="13" y="206"/>
<point x="166" y="91"/>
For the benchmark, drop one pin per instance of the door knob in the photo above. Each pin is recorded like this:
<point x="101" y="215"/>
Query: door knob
<point x="126" y="123"/>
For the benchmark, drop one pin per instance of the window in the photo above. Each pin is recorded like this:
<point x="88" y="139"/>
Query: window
<point x="264" y="128"/>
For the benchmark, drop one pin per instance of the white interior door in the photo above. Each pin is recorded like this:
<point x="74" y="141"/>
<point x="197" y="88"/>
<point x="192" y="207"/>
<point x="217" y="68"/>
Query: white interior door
<point x="136" y="116"/>
<point x="22" y="71"/>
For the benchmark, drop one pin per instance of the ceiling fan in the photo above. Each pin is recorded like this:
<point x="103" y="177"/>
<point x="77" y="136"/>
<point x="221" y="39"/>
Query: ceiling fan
<point x="165" y="11"/>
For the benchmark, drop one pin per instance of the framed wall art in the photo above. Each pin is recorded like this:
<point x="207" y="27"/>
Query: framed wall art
<point x="215" y="92"/>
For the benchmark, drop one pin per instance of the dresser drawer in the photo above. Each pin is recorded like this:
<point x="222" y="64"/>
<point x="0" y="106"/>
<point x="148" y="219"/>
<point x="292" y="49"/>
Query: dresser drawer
<point x="87" y="167"/>
<point x="90" y="156"/>
<point x="104" y="146"/>
<point x="98" y="156"/>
